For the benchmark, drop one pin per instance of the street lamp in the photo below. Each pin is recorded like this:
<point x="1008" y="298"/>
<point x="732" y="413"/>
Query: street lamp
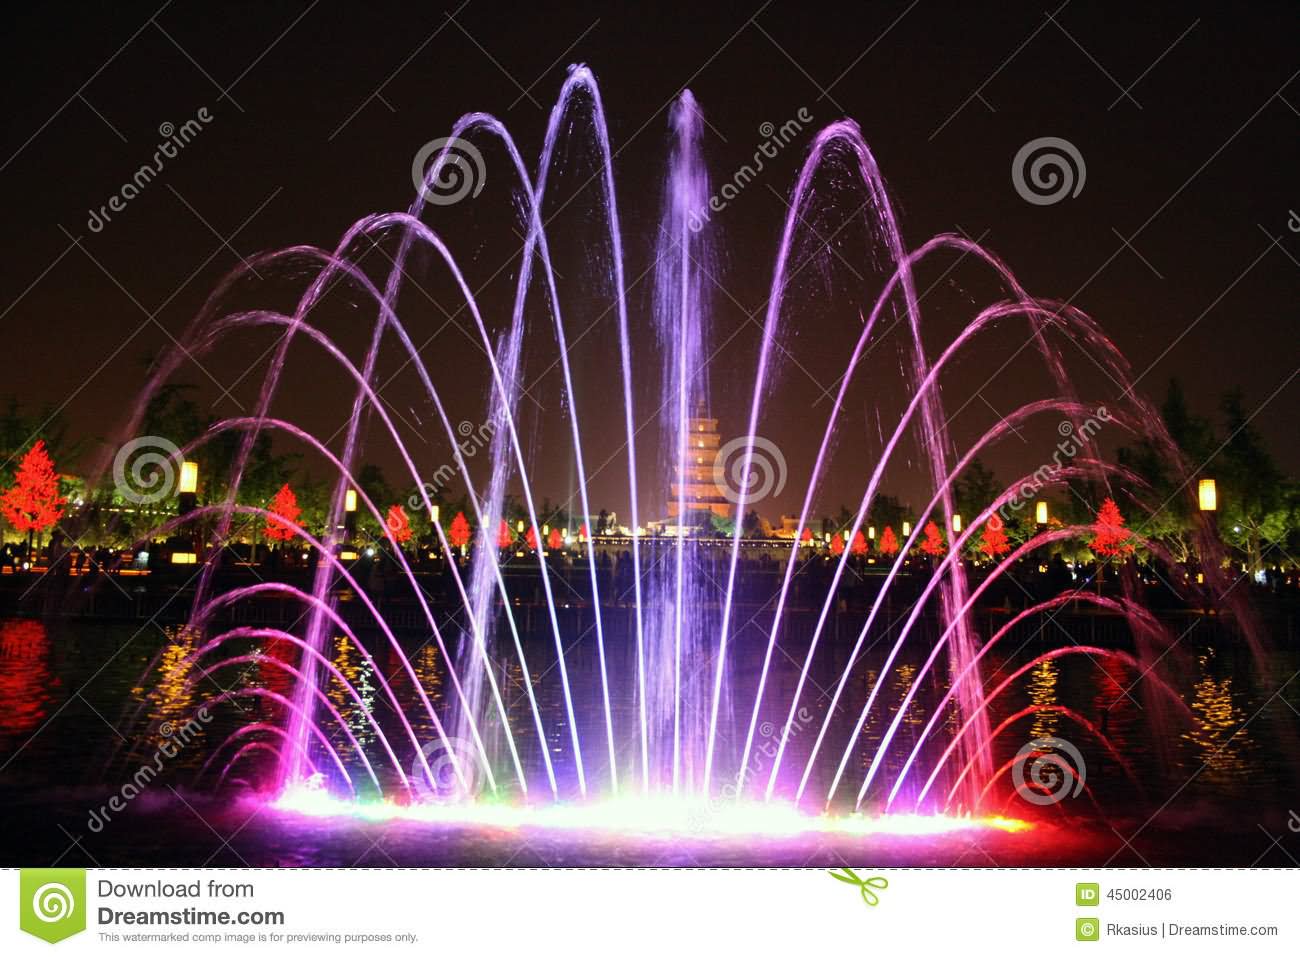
<point x="956" y="522"/>
<point x="871" y="532"/>
<point x="350" y="513"/>
<point x="188" y="487"/>
<point x="907" y="529"/>
<point x="1040" y="513"/>
<point x="1207" y="495"/>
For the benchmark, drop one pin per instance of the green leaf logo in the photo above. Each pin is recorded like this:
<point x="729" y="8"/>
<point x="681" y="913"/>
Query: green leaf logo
<point x="52" y="902"/>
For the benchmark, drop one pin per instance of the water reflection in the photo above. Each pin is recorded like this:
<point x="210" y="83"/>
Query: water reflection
<point x="1042" y="693"/>
<point x="26" y="685"/>
<point x="354" y="667"/>
<point x="170" y="701"/>
<point x="1223" y="741"/>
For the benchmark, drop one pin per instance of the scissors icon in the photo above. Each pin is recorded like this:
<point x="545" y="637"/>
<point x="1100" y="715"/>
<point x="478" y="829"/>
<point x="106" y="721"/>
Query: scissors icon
<point x="864" y="885"/>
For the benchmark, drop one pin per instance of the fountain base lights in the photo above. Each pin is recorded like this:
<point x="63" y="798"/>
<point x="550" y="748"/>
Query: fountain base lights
<point x="654" y="816"/>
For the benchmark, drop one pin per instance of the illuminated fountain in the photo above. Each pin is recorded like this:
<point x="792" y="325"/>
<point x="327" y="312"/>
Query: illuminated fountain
<point x="657" y="728"/>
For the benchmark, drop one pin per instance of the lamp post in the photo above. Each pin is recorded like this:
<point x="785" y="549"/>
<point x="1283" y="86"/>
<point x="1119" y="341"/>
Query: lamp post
<point x="350" y="514"/>
<point x="187" y="499"/>
<point x="188" y="488"/>
<point x="1040" y="513"/>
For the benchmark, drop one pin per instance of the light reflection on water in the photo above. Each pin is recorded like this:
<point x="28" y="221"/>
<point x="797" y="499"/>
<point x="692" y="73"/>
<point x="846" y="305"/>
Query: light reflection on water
<point x="26" y="686"/>
<point x="43" y="668"/>
<point x="1222" y="737"/>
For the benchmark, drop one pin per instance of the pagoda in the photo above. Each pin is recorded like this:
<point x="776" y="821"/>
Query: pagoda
<point x="695" y="483"/>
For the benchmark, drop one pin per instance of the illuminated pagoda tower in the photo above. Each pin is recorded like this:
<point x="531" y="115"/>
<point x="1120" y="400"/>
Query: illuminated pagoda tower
<point x="694" y="478"/>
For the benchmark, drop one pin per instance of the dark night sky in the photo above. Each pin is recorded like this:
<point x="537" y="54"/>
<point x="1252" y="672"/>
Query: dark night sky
<point x="327" y="104"/>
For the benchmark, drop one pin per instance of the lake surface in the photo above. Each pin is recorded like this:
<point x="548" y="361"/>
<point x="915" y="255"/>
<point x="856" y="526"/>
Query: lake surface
<point x="1201" y="774"/>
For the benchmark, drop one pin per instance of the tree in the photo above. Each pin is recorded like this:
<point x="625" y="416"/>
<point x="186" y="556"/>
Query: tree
<point x="837" y="544"/>
<point x="807" y="537"/>
<point x="530" y="539"/>
<point x="933" y="545"/>
<point x="33" y="503"/>
<point x="284" y="505"/>
<point x="975" y="489"/>
<point x="888" y="543"/>
<point x="399" y="526"/>
<point x="1112" y="538"/>
<point x="720" y="525"/>
<point x="505" y="537"/>
<point x="994" y="540"/>
<point x="886" y="510"/>
<point x="859" y="546"/>
<point x="458" y="534"/>
<point x="1252" y="486"/>
<point x="555" y="540"/>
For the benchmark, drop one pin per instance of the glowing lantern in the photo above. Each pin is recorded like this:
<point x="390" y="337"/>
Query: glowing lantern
<point x="350" y="501"/>
<point x="1040" y="513"/>
<point x="189" y="483"/>
<point x="956" y="522"/>
<point x="1207" y="495"/>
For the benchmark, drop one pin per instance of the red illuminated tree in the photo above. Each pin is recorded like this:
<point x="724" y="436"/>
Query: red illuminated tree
<point x="933" y="544"/>
<point x="837" y="544"/>
<point x="993" y="541"/>
<point x="1112" y="538"/>
<point x="505" y="538"/>
<point x="555" y="540"/>
<point x="458" y="534"/>
<point x="888" y="543"/>
<point x="285" y="506"/>
<point x="583" y="534"/>
<point x="807" y="537"/>
<point x="33" y="503"/>
<point x="399" y="525"/>
<point x="530" y="539"/>
<point x="859" y="546"/>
